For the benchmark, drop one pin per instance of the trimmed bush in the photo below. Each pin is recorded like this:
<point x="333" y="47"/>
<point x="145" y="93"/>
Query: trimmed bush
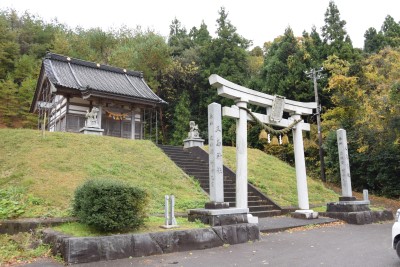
<point x="110" y="205"/>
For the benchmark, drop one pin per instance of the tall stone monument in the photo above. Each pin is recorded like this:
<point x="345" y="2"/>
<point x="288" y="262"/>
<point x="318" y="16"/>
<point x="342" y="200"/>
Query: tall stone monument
<point x="216" y="166"/>
<point x="345" y="177"/>
<point x="217" y="212"/>
<point x="349" y="208"/>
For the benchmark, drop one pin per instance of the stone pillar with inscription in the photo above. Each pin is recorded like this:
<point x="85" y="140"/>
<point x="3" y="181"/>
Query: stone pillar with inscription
<point x="217" y="212"/>
<point x="349" y="208"/>
<point x="345" y="177"/>
<point x="216" y="166"/>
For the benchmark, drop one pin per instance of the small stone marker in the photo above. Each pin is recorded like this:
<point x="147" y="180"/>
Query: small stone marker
<point x="344" y="163"/>
<point x="169" y="212"/>
<point x="365" y="194"/>
<point x="215" y="153"/>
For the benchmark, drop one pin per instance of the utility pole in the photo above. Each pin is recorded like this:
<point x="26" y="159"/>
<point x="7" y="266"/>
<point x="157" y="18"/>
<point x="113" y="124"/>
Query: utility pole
<point x="316" y="75"/>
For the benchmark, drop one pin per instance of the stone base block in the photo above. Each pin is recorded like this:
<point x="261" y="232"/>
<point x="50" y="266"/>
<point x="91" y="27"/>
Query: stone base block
<point x="348" y="206"/>
<point x="93" y="131"/>
<point x="304" y="214"/>
<point x="252" y="219"/>
<point x="217" y="205"/>
<point x="218" y="217"/>
<point x="361" y="217"/>
<point x="347" y="199"/>
<point x="169" y="226"/>
<point x="193" y="142"/>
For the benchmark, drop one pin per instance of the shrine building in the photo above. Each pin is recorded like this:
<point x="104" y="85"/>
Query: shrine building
<point x="68" y="88"/>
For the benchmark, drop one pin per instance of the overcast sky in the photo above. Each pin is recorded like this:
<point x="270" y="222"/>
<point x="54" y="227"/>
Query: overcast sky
<point x="257" y="20"/>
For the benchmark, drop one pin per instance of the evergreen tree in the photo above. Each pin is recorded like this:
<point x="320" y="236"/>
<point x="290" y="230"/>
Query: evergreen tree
<point x="200" y="36"/>
<point x="334" y="34"/>
<point x="389" y="35"/>
<point x="314" y="48"/>
<point x="283" y="70"/>
<point x="9" y="48"/>
<point x="226" y="56"/>
<point x="178" y="39"/>
<point x="181" y="120"/>
<point x="373" y="41"/>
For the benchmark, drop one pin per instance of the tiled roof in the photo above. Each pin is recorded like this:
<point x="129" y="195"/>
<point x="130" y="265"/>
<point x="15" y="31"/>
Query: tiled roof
<point x="92" y="77"/>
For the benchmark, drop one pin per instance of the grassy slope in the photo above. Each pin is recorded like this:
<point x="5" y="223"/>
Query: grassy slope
<point x="51" y="168"/>
<point x="278" y="179"/>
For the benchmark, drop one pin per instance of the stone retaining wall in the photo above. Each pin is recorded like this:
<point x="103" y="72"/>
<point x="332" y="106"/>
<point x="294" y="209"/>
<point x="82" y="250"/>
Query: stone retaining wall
<point x="91" y="249"/>
<point x="360" y="217"/>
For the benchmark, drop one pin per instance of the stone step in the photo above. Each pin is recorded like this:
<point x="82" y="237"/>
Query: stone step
<point x="269" y="213"/>
<point x="227" y="188"/>
<point x="249" y="203"/>
<point x="193" y="165"/>
<point x="187" y="158"/>
<point x="199" y="173"/>
<point x="168" y="147"/>
<point x="198" y="168"/>
<point x="232" y="193"/>
<point x="205" y="178"/>
<point x="184" y="159"/>
<point x="261" y="208"/>
<point x="249" y="198"/>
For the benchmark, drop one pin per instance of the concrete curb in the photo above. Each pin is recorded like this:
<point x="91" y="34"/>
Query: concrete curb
<point x="92" y="249"/>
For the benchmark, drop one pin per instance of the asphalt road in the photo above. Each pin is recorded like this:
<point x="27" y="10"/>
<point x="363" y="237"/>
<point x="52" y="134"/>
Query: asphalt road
<point x="342" y="245"/>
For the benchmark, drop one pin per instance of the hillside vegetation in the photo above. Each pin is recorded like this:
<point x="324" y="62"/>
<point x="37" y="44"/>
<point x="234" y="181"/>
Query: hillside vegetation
<point x="46" y="171"/>
<point x="41" y="174"/>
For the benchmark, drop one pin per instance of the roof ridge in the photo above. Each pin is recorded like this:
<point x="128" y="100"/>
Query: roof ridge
<point x="90" y="64"/>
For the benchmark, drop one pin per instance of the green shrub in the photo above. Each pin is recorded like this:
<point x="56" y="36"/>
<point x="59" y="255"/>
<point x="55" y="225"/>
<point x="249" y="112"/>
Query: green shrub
<point x="110" y="205"/>
<point x="12" y="203"/>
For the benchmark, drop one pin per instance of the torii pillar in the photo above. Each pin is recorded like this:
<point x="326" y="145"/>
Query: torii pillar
<point x="300" y="165"/>
<point x="241" y="155"/>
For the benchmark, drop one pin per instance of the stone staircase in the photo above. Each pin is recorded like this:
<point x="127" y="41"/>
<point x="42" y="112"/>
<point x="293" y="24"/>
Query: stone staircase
<point x="194" y="162"/>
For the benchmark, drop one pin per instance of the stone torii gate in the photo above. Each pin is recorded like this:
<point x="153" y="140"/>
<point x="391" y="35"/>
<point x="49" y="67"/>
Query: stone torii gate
<point x="242" y="97"/>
